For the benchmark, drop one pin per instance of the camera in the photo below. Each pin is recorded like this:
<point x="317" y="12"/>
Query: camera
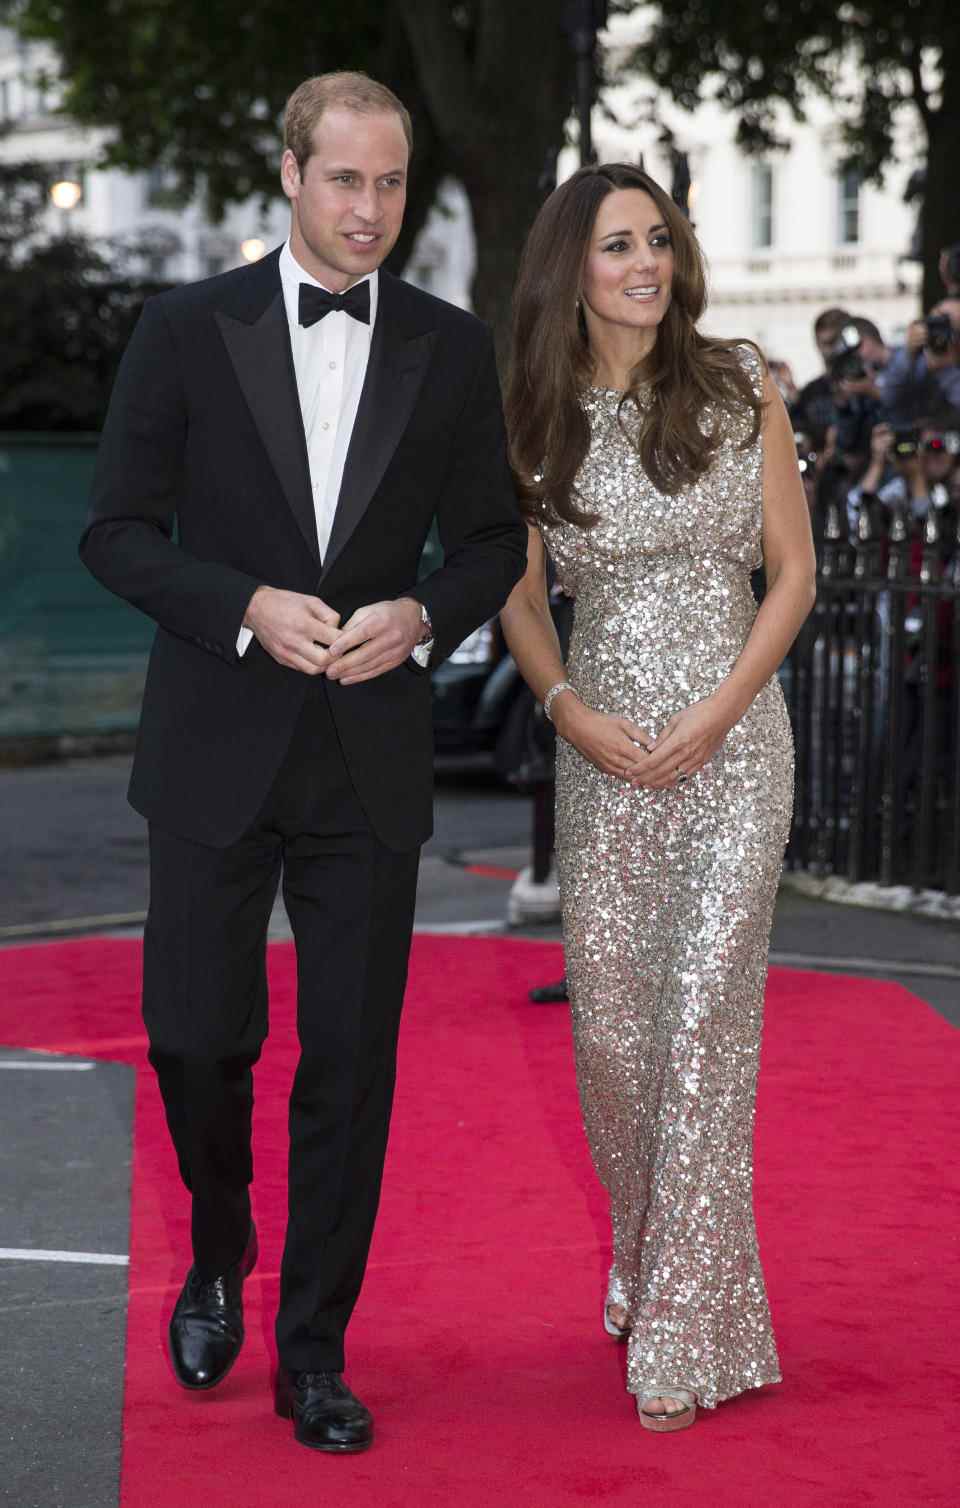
<point x="939" y="443"/>
<point x="906" y="443"/>
<point x="939" y="334"/>
<point x="806" y="455"/>
<point x="845" y="361"/>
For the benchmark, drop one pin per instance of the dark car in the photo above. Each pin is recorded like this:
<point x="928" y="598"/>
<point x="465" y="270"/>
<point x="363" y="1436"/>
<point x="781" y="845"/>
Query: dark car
<point x="479" y="696"/>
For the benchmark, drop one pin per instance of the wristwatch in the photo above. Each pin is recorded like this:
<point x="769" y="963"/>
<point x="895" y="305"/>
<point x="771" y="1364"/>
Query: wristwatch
<point x="423" y="648"/>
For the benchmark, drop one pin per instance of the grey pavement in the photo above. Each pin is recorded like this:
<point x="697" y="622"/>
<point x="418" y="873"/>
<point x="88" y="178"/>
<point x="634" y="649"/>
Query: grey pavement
<point x="64" y="1190"/>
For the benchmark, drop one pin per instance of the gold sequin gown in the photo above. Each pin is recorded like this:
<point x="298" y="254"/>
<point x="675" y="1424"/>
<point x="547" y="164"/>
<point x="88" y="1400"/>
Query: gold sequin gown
<point x="667" y="905"/>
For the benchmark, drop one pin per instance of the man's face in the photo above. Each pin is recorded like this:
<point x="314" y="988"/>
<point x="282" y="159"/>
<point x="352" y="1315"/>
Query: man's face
<point x="347" y="204"/>
<point x="873" y="351"/>
<point x="826" y="340"/>
<point x="938" y="461"/>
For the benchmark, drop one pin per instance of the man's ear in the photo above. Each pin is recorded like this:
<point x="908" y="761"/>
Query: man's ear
<point x="290" y="179"/>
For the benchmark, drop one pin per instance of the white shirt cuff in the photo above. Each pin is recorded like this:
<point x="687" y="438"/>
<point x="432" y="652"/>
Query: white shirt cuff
<point x="243" y="640"/>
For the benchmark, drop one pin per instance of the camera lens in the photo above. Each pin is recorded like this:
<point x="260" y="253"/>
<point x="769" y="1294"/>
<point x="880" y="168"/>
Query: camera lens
<point x="939" y="333"/>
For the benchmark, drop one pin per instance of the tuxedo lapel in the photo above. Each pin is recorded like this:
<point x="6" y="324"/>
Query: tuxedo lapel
<point x="399" y="356"/>
<point x="257" y="338"/>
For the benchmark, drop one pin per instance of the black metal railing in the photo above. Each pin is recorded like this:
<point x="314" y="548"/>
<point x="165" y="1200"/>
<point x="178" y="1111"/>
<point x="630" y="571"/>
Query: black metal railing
<point x="873" y="688"/>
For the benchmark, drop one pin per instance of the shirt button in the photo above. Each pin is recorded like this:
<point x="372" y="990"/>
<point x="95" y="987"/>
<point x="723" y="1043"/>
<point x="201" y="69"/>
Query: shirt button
<point x="333" y="366"/>
<point x="325" y="425"/>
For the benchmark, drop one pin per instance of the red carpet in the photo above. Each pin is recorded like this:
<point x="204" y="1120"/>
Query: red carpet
<point x="478" y="1342"/>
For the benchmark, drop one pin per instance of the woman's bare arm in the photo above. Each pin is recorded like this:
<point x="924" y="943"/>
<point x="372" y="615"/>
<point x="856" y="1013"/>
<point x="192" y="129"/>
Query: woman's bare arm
<point x="694" y="735"/>
<point x="608" y="742"/>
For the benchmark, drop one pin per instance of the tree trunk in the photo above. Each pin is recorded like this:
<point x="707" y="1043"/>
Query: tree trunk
<point x="499" y="93"/>
<point x="427" y="165"/>
<point x="503" y="209"/>
<point x="940" y="224"/>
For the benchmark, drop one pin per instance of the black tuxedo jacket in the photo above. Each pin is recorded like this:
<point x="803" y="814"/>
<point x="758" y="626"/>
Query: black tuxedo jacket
<point x="202" y="493"/>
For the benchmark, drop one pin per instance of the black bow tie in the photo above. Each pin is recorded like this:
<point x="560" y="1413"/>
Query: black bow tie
<point x="316" y="302"/>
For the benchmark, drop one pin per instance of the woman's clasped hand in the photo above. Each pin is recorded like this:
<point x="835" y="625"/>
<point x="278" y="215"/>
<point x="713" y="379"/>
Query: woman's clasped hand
<point x="620" y="747"/>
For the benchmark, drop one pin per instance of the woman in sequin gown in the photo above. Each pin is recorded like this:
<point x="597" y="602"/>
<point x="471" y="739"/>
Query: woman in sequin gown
<point x="674" y="763"/>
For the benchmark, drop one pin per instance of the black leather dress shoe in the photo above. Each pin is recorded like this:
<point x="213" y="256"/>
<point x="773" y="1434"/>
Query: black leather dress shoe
<point x="550" y="994"/>
<point x="206" y="1329"/>
<point x="325" y="1414"/>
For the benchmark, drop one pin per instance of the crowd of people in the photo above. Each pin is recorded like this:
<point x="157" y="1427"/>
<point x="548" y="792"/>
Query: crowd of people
<point x="879" y="428"/>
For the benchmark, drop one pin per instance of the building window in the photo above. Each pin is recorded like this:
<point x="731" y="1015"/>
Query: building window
<point x="11" y="98"/>
<point x="160" y="188"/>
<point x="761" y="177"/>
<point x="848" y="206"/>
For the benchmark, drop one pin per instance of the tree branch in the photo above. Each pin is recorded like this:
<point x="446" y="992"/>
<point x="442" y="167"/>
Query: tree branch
<point x="920" y="98"/>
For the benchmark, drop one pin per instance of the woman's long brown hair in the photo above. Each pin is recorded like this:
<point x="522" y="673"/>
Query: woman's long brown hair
<point x="551" y="364"/>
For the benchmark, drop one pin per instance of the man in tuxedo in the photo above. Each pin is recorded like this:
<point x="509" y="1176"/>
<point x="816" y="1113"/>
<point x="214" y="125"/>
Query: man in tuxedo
<point x="279" y="441"/>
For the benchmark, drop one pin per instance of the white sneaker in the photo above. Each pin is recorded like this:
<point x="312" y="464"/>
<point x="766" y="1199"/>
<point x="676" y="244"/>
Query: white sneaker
<point x="528" y="902"/>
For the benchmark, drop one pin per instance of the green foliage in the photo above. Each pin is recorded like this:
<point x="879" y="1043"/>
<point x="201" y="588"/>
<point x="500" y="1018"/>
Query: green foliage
<point x="66" y="314"/>
<point x="196" y="87"/>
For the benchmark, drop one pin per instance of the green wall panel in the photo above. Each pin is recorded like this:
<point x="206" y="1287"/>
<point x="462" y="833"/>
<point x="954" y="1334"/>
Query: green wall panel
<point x="72" y="657"/>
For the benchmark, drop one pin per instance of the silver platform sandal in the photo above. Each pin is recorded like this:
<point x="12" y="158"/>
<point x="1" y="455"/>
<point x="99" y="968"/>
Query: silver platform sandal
<point x="681" y="1418"/>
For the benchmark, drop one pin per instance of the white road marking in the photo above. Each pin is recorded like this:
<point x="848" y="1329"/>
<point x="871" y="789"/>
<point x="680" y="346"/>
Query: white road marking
<point x="47" y="1067"/>
<point x="33" y="1254"/>
<point x="75" y="924"/>
<point x="873" y="966"/>
<point x="452" y="928"/>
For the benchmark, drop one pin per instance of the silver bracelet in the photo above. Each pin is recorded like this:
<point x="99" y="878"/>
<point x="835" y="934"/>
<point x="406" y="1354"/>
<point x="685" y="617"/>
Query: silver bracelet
<point x="555" y="692"/>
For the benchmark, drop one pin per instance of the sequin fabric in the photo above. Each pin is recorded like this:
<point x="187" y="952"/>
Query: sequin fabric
<point x="667" y="904"/>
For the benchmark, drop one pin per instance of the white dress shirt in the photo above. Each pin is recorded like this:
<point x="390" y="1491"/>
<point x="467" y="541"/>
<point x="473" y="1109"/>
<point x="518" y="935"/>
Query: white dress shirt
<point x="330" y="362"/>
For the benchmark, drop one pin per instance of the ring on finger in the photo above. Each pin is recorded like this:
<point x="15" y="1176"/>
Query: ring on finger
<point x="681" y="776"/>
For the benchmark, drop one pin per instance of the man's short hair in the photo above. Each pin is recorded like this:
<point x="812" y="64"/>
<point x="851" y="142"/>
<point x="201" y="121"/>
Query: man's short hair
<point x="866" y="327"/>
<point x="332" y="91"/>
<point x="830" y="319"/>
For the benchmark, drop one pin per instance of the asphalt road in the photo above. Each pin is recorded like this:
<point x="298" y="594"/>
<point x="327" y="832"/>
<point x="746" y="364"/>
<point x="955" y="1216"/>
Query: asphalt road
<point x="75" y="854"/>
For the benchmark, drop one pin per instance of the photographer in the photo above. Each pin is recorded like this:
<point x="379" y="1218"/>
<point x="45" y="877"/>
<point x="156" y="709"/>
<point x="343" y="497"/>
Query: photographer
<point x="926" y="368"/>
<point x="949" y="269"/>
<point x="907" y="466"/>
<point x="856" y="367"/>
<point x="814" y="410"/>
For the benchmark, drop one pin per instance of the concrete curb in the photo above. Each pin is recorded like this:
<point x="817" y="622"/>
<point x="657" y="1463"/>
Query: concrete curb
<point x="933" y="903"/>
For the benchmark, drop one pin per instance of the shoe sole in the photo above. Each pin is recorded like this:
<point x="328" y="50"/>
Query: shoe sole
<point x="333" y="1450"/>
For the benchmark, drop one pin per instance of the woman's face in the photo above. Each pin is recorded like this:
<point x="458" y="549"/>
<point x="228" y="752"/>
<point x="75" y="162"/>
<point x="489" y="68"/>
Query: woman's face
<point x="629" y="267"/>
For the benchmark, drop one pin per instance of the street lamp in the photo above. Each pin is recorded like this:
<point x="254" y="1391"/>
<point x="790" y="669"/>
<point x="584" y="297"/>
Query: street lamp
<point x="66" y="194"/>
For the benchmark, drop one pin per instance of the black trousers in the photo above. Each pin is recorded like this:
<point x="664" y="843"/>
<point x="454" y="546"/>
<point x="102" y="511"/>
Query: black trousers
<point x="350" y="901"/>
